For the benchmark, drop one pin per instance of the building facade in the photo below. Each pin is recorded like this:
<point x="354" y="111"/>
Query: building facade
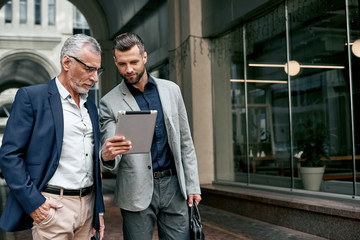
<point x="261" y="80"/>
<point x="32" y="33"/>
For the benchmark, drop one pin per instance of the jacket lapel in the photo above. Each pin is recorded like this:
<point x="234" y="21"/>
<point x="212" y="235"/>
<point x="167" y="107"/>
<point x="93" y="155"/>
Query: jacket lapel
<point x="164" y="98"/>
<point x="56" y="109"/>
<point x="95" y="123"/>
<point x="128" y="97"/>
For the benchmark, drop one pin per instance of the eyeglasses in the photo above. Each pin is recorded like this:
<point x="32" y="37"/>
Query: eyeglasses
<point x="90" y="70"/>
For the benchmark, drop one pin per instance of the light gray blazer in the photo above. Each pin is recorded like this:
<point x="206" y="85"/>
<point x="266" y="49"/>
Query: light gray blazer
<point x="134" y="182"/>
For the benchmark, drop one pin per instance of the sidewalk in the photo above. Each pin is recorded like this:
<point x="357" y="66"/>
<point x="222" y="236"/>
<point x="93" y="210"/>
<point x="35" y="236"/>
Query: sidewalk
<point x="217" y="224"/>
<point x="113" y="224"/>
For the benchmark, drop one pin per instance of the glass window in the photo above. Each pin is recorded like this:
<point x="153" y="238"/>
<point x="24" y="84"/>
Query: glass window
<point x="37" y="12"/>
<point x="8" y="12"/>
<point x="161" y="71"/>
<point x="354" y="29"/>
<point x="283" y="81"/>
<point x="267" y="110"/>
<point x="23" y="11"/>
<point x="52" y="12"/>
<point x="320" y="91"/>
<point x="227" y="51"/>
<point x="80" y="24"/>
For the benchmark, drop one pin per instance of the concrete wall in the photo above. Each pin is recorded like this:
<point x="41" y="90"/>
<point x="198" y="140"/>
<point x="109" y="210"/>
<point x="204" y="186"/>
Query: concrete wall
<point x="40" y="43"/>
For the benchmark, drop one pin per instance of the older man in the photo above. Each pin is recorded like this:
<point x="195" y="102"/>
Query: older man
<point x="49" y="154"/>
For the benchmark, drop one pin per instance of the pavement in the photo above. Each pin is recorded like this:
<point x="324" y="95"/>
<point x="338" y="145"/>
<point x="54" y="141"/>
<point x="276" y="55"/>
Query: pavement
<point x="217" y="224"/>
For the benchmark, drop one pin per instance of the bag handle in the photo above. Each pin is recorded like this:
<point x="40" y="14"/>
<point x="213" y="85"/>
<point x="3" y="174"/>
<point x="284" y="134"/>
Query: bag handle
<point x="196" y="231"/>
<point x="195" y="210"/>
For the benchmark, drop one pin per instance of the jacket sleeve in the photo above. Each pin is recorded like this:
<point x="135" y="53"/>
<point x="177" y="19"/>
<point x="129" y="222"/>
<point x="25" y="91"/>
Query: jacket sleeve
<point x="17" y="134"/>
<point x="107" y="130"/>
<point x="188" y="154"/>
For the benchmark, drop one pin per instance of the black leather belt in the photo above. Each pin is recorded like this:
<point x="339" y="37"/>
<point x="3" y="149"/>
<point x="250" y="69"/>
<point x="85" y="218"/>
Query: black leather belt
<point x="69" y="192"/>
<point x="165" y="173"/>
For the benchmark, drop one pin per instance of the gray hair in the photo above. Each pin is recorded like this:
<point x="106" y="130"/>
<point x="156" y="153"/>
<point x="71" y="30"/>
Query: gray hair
<point x="126" y="41"/>
<point x="73" y="45"/>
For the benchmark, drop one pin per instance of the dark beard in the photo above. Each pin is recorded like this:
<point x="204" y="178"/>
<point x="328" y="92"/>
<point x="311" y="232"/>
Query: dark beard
<point x="136" y="80"/>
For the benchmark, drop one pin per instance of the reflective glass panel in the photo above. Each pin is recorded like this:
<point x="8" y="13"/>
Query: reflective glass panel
<point x="354" y="23"/>
<point x="23" y="11"/>
<point x="268" y="105"/>
<point x="320" y="94"/>
<point x="51" y="12"/>
<point x="8" y="12"/>
<point x="282" y="81"/>
<point x="37" y="12"/>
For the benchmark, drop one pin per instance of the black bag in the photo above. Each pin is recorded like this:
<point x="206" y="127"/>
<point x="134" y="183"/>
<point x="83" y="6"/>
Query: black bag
<point x="96" y="236"/>
<point x="196" y="231"/>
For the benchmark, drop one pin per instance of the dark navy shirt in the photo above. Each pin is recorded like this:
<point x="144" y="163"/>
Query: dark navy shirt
<point x="161" y="154"/>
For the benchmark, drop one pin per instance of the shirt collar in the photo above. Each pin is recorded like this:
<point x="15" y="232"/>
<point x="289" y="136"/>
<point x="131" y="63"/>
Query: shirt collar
<point x="65" y="93"/>
<point x="151" y="80"/>
<point x="134" y="90"/>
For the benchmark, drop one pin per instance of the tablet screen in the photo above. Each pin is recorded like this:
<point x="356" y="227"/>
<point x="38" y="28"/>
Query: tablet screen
<point x="138" y="127"/>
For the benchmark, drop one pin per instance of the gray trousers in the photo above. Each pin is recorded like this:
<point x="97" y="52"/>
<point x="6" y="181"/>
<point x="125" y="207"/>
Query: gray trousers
<point x="168" y="209"/>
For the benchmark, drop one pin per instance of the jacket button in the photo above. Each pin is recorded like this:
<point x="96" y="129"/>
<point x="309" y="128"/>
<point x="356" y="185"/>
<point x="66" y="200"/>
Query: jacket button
<point x="149" y="167"/>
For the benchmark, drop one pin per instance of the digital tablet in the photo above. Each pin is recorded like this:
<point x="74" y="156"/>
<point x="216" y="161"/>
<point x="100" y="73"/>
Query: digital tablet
<point x="138" y="127"/>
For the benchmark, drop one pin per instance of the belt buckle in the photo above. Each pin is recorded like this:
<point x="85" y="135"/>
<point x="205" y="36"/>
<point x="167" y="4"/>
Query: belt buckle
<point x="82" y="191"/>
<point x="157" y="175"/>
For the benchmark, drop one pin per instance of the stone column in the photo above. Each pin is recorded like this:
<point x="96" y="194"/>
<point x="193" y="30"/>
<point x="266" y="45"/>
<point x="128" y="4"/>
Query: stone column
<point x="190" y="68"/>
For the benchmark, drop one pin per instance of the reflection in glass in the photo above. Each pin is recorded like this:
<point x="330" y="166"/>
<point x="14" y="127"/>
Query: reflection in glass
<point x="8" y="12"/>
<point x="322" y="94"/>
<point x="37" y="12"/>
<point x="51" y="12"/>
<point x="318" y="91"/>
<point x="268" y="111"/>
<point x="354" y="21"/>
<point x="23" y="11"/>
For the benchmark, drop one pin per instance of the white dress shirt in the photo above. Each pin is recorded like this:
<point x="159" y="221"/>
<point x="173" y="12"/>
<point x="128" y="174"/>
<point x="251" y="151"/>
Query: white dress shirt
<point x="75" y="168"/>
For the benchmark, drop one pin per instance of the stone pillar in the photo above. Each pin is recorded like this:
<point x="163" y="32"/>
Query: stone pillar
<point x="30" y="14"/>
<point x="44" y="14"/>
<point x="190" y="68"/>
<point x="15" y="14"/>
